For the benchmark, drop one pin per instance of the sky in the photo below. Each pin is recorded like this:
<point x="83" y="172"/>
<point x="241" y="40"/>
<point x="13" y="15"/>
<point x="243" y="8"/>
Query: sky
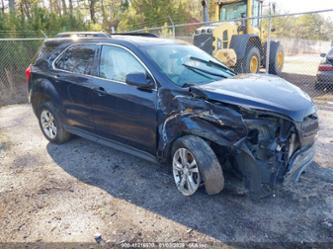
<point x="292" y="6"/>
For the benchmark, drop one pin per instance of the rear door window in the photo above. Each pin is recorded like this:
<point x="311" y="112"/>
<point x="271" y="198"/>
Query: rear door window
<point x="78" y="59"/>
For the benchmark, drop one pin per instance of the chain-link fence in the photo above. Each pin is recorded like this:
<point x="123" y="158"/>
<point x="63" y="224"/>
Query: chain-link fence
<point x="297" y="47"/>
<point x="15" y="56"/>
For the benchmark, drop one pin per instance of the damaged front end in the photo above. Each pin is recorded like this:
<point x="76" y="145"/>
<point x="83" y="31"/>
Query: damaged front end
<point x="259" y="141"/>
<point x="261" y="128"/>
<point x="275" y="150"/>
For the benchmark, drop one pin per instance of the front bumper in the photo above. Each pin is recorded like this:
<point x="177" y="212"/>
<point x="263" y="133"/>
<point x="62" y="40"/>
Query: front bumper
<point x="263" y="176"/>
<point x="298" y="163"/>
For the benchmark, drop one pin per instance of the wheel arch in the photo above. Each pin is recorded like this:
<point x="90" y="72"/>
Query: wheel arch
<point x="41" y="91"/>
<point x="207" y="130"/>
<point x="242" y="43"/>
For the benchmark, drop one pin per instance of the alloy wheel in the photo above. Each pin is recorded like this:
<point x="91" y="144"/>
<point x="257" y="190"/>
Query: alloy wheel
<point x="48" y="124"/>
<point x="186" y="172"/>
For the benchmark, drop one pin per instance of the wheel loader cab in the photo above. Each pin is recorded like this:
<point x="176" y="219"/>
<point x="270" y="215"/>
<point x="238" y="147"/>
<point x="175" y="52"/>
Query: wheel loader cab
<point x="236" y="41"/>
<point x="233" y="10"/>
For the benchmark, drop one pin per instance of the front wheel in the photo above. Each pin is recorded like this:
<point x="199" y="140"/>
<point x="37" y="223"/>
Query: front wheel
<point x="194" y="163"/>
<point x="250" y="63"/>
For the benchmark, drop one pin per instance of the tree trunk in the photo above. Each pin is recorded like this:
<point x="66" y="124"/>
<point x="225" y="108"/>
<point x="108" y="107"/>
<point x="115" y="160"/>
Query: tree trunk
<point x="70" y="3"/>
<point x="92" y="4"/>
<point x="26" y="9"/>
<point x="57" y="7"/>
<point x="11" y="4"/>
<point x="2" y="7"/>
<point x="64" y="7"/>
<point x="103" y="12"/>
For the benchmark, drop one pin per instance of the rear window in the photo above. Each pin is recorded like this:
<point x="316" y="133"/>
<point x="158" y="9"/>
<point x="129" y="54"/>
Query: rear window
<point x="77" y="59"/>
<point x="48" y="52"/>
<point x="44" y="52"/>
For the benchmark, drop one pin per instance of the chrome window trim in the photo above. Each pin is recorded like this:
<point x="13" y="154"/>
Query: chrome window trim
<point x="97" y="77"/>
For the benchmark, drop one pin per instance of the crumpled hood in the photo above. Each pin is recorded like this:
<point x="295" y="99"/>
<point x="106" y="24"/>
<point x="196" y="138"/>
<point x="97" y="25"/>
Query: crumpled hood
<point x="261" y="92"/>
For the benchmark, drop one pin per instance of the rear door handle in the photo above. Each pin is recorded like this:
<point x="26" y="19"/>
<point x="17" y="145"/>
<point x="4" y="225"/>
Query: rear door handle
<point x="99" y="90"/>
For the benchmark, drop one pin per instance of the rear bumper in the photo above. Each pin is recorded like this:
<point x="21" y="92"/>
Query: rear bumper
<point x="298" y="163"/>
<point x="325" y="78"/>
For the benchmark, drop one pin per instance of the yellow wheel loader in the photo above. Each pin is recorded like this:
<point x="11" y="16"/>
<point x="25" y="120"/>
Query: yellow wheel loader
<point x="238" y="40"/>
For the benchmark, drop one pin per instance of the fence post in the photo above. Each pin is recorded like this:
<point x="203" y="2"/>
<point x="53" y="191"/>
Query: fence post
<point x="268" y="47"/>
<point x="173" y="27"/>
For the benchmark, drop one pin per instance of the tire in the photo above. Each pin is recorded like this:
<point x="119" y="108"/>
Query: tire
<point x="209" y="168"/>
<point x="318" y="86"/>
<point x="275" y="66"/>
<point x="56" y="135"/>
<point x="252" y="54"/>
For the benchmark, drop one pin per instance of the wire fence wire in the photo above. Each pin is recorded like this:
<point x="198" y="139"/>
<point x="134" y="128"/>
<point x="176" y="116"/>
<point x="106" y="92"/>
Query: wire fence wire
<point x="307" y="62"/>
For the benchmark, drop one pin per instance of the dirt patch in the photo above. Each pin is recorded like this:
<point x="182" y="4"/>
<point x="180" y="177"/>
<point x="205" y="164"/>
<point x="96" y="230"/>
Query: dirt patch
<point x="68" y="193"/>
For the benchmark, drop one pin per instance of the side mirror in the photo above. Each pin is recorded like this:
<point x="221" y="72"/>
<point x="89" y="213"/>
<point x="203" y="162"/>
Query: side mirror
<point x="140" y="80"/>
<point x="242" y="27"/>
<point x="323" y="55"/>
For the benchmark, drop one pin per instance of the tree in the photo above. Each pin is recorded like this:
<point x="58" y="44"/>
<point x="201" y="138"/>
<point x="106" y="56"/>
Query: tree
<point x="311" y="27"/>
<point x="153" y="13"/>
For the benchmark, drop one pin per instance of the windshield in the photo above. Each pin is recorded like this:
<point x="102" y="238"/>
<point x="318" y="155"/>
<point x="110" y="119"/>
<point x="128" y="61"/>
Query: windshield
<point x="232" y="11"/>
<point x="330" y="53"/>
<point x="187" y="65"/>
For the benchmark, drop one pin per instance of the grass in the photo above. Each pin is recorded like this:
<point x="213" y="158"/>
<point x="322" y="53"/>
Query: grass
<point x="12" y="91"/>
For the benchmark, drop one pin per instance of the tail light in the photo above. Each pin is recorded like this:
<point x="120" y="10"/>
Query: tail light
<point x="325" y="68"/>
<point x="28" y="73"/>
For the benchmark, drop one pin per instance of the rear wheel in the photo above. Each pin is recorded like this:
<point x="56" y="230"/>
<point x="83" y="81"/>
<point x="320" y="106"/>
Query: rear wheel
<point x="50" y="124"/>
<point x="193" y="163"/>
<point x="276" y="58"/>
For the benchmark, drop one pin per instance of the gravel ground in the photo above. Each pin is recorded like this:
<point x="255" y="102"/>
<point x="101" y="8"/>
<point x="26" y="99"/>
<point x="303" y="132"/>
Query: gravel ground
<point x="68" y="193"/>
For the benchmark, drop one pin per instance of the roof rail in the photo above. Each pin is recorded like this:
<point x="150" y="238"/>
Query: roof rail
<point x="82" y="34"/>
<point x="136" y="34"/>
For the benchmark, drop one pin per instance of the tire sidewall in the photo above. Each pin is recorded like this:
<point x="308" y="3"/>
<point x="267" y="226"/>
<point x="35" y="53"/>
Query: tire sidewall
<point x="253" y="51"/>
<point x="273" y="64"/>
<point x="49" y="107"/>
<point x="210" y="169"/>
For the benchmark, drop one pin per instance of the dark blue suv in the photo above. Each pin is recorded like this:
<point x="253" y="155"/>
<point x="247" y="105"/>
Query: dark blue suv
<point x="170" y="102"/>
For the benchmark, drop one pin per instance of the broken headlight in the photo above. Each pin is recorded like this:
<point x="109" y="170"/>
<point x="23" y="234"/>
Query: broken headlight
<point x="262" y="133"/>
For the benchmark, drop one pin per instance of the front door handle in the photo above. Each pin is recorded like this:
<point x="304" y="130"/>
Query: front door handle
<point x="99" y="90"/>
